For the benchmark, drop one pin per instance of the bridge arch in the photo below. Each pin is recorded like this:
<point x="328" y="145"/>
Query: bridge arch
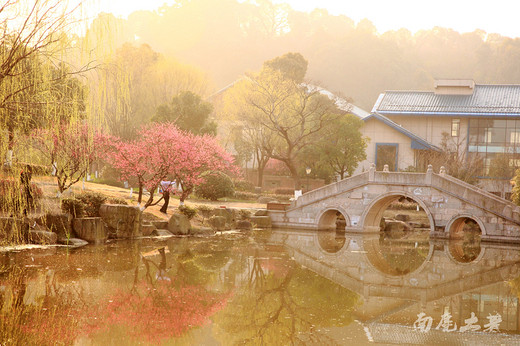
<point x="327" y="218"/>
<point x="374" y="211"/>
<point x="454" y="228"/>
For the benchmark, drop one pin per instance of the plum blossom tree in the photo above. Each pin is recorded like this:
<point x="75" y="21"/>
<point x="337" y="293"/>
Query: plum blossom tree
<point x="162" y="150"/>
<point x="69" y="148"/>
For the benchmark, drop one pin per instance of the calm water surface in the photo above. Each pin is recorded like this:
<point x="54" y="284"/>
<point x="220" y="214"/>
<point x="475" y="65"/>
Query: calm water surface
<point x="270" y="287"/>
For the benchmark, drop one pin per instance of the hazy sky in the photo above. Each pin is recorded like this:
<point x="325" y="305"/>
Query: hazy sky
<point x="499" y="16"/>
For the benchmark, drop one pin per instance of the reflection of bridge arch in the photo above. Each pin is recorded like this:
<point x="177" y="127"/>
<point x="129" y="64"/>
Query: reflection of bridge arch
<point x="327" y="217"/>
<point x="460" y="252"/>
<point x="376" y="257"/>
<point x="373" y="213"/>
<point x="331" y="242"/>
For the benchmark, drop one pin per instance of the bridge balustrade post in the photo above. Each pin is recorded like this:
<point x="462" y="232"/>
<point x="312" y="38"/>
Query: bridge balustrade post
<point x="442" y="171"/>
<point x="428" y="176"/>
<point x="372" y="172"/>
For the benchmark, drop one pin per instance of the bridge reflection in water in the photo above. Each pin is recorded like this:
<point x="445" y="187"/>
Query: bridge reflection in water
<point x="398" y="279"/>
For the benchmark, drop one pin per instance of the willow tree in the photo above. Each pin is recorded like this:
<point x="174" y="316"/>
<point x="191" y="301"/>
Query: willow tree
<point x="291" y="112"/>
<point x="33" y="42"/>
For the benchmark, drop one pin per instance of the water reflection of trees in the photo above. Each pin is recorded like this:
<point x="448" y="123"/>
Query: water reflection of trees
<point x="282" y="303"/>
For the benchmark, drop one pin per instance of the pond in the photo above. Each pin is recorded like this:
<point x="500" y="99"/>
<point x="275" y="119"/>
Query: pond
<point x="263" y="287"/>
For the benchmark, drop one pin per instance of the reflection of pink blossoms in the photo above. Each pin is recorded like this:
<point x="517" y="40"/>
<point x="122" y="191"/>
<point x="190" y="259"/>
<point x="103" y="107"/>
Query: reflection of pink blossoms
<point x="161" y="312"/>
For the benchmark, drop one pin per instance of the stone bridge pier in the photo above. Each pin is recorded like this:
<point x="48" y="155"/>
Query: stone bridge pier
<point x="362" y="199"/>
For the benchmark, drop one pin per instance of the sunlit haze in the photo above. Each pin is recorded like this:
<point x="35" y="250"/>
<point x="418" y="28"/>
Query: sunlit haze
<point x="460" y="15"/>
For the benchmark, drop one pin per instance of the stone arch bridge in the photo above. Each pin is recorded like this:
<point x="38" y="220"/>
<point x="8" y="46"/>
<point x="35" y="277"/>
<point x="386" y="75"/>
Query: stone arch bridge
<point x="362" y="199"/>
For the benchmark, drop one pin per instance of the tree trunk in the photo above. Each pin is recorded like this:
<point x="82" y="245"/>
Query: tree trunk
<point x="10" y="147"/>
<point x="260" y="176"/>
<point x="140" y="197"/>
<point x="294" y="174"/>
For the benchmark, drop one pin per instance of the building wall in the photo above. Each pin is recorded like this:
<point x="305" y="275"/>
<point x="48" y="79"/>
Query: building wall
<point x="431" y="128"/>
<point x="378" y="132"/>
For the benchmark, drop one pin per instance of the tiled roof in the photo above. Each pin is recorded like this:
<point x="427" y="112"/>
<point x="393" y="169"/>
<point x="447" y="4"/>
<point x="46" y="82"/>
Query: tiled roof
<point x="489" y="100"/>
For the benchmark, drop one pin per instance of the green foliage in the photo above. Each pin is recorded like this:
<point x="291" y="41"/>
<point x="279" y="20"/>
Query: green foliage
<point x="281" y="191"/>
<point x="244" y="214"/>
<point x="246" y="196"/>
<point x="92" y="201"/>
<point x="291" y="65"/>
<point x="515" y="196"/>
<point x="215" y="185"/>
<point x="12" y="196"/>
<point x="339" y="147"/>
<point x="243" y="185"/>
<point x="189" y="112"/>
<point x="188" y="211"/>
<point x="116" y="200"/>
<point x="73" y="206"/>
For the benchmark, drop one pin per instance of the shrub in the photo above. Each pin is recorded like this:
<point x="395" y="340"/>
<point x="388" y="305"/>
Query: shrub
<point x="215" y="185"/>
<point x="73" y="206"/>
<point x="244" y="185"/>
<point x="188" y="211"/>
<point x="284" y="191"/>
<point x="91" y="202"/>
<point x="248" y="196"/>
<point x="244" y="214"/>
<point x="116" y="200"/>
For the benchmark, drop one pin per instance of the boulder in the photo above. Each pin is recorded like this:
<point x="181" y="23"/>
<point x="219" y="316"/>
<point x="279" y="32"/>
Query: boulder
<point x="123" y="221"/>
<point x="402" y="217"/>
<point x="217" y="223"/>
<point x="266" y="199"/>
<point x="91" y="229"/>
<point x="227" y="213"/>
<point x="261" y="221"/>
<point x="72" y="242"/>
<point x="61" y="224"/>
<point x="244" y="225"/>
<point x="13" y="229"/>
<point x="42" y="237"/>
<point x="147" y="229"/>
<point x="262" y="212"/>
<point x="163" y="224"/>
<point x="162" y="233"/>
<point x="201" y="231"/>
<point x="396" y="229"/>
<point x="179" y="224"/>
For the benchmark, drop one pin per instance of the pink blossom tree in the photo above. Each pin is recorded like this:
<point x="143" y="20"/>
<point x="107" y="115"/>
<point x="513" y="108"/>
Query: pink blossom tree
<point x="162" y="150"/>
<point x="70" y="148"/>
<point x="196" y="155"/>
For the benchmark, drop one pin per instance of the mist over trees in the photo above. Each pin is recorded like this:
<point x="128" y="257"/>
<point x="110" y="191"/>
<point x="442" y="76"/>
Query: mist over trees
<point x="226" y="38"/>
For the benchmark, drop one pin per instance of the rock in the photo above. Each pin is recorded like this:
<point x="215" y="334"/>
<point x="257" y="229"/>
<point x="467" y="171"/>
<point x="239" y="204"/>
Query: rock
<point x="123" y="221"/>
<point x="13" y="229"/>
<point x="160" y="224"/>
<point x="396" y="229"/>
<point x="61" y="224"/>
<point x="72" y="242"/>
<point x="179" y="224"/>
<point x="91" y="229"/>
<point x="244" y="224"/>
<point x="261" y="221"/>
<point x="227" y="213"/>
<point x="202" y="231"/>
<point x="262" y="212"/>
<point x="402" y="217"/>
<point x="42" y="237"/>
<point x="147" y="229"/>
<point x="162" y="233"/>
<point x="217" y="223"/>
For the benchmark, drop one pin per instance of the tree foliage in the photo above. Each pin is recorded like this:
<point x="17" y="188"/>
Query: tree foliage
<point x="189" y="112"/>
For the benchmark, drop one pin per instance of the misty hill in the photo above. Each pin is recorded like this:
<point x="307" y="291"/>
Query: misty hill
<point x="226" y="38"/>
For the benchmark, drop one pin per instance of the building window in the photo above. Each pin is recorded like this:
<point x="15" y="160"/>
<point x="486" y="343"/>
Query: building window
<point x="455" y="127"/>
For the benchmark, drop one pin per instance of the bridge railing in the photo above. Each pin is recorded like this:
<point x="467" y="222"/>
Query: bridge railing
<point x="475" y="196"/>
<point x="330" y="190"/>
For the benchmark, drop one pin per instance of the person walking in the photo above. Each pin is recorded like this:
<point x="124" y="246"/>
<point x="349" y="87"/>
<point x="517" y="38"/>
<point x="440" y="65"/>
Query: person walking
<point x="166" y="187"/>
